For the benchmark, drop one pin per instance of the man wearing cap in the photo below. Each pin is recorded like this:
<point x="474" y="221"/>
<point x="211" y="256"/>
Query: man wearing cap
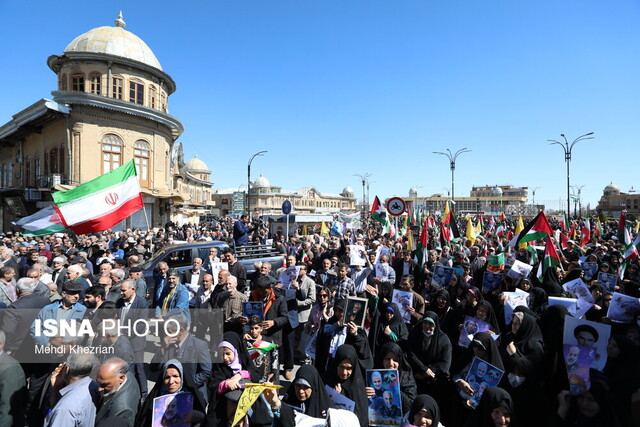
<point x="274" y="307"/>
<point x="68" y="308"/>
<point x="135" y="274"/>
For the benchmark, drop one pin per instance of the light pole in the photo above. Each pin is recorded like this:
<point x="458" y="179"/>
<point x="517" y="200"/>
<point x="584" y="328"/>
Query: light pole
<point x="534" y="195"/>
<point x="364" y="179"/>
<point x="578" y="201"/>
<point x="259" y="153"/>
<point x="452" y="163"/>
<point x="567" y="157"/>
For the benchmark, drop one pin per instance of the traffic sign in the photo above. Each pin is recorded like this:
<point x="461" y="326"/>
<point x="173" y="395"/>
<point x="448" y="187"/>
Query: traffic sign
<point x="286" y="207"/>
<point x="396" y="206"/>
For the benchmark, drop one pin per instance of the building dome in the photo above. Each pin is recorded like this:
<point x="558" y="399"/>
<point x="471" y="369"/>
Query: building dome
<point x="612" y="187"/>
<point x="497" y="191"/>
<point x="261" y="182"/>
<point x="115" y="41"/>
<point x="347" y="190"/>
<point x="413" y="192"/>
<point x="196" y="165"/>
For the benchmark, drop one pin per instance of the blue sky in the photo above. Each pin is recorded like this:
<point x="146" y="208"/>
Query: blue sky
<point x="333" y="88"/>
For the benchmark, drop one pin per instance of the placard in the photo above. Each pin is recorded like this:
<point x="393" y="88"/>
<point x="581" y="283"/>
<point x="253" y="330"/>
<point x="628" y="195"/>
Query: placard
<point x="355" y="311"/>
<point x="481" y="376"/>
<point x="588" y="334"/>
<point x="385" y="406"/>
<point x="172" y="410"/>
<point x="403" y="300"/>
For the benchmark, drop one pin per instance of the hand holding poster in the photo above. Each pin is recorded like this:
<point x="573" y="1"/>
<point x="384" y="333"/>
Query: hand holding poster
<point x="578" y="360"/>
<point x="358" y="255"/>
<point x="590" y="269"/>
<point x="289" y="275"/>
<point x="382" y="270"/>
<point x="577" y="308"/>
<point x="470" y="327"/>
<point x="491" y="281"/>
<point x="340" y="401"/>
<point x="609" y="281"/>
<point x="481" y="376"/>
<point x="519" y="270"/>
<point x="355" y="311"/>
<point x="580" y="289"/>
<point x="385" y="407"/>
<point x="623" y="308"/>
<point x="588" y="334"/>
<point x="404" y="300"/>
<point x="172" y="410"/>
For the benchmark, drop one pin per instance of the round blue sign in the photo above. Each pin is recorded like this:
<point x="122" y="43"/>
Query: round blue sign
<point x="286" y="207"/>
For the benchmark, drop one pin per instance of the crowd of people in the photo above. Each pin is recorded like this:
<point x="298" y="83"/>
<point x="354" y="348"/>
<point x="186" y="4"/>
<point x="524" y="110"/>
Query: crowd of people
<point x="327" y="325"/>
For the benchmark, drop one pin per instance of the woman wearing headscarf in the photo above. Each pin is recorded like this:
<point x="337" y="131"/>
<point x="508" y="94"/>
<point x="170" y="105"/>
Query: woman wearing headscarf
<point x="523" y="340"/>
<point x="495" y="409"/>
<point x="538" y="301"/>
<point x="447" y="316"/>
<point x="430" y="355"/>
<point x="345" y="375"/>
<point x="524" y="386"/>
<point x="552" y="329"/>
<point x="484" y="311"/>
<point x="306" y="393"/>
<point x="391" y="356"/>
<point x="172" y="381"/>
<point x="424" y="412"/>
<point x="622" y="369"/>
<point x="594" y="408"/>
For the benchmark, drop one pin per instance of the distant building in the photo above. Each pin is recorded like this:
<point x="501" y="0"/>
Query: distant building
<point x="491" y="200"/>
<point x="613" y="201"/>
<point x="265" y="199"/>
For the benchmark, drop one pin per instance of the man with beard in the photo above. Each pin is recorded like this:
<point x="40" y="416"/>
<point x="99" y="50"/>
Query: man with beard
<point x="120" y="395"/>
<point x="93" y="299"/>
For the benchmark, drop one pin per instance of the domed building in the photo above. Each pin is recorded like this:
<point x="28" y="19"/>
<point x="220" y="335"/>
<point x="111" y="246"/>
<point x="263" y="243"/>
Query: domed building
<point x="111" y="105"/>
<point x="193" y="183"/>
<point x="613" y="201"/>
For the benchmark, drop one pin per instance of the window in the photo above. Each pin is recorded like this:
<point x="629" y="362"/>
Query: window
<point x="111" y="153"/>
<point x="27" y="171"/>
<point x="53" y="160"/>
<point x="141" y="155"/>
<point x="63" y="82"/>
<point x="61" y="159"/>
<point x="136" y="92"/>
<point x="118" y="84"/>
<point x="163" y="102"/>
<point x="77" y="82"/>
<point x="179" y="259"/>
<point x="153" y="94"/>
<point x="95" y="83"/>
<point x="36" y="166"/>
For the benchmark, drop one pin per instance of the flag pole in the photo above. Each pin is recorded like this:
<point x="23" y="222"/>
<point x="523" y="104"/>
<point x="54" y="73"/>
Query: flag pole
<point x="145" y="216"/>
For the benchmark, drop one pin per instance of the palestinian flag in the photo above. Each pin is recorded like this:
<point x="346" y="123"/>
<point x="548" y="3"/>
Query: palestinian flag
<point x="42" y="223"/>
<point x="622" y="225"/>
<point x="100" y="203"/>
<point x="563" y="222"/>
<point x="563" y="241"/>
<point x="378" y="212"/>
<point x="534" y="253"/>
<point x="260" y="347"/>
<point x="550" y="259"/>
<point x="495" y="263"/>
<point x="586" y="233"/>
<point x="538" y="228"/>
<point x="449" y="228"/>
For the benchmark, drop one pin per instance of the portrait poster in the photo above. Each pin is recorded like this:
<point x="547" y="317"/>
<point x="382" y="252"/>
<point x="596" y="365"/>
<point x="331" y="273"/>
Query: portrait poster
<point x="252" y="308"/>
<point x="289" y="275"/>
<point x="382" y="270"/>
<point x="519" y="270"/>
<point x="215" y="270"/>
<point x="385" y="406"/>
<point x="340" y="401"/>
<point x="579" y="289"/>
<point x="577" y="308"/>
<point x="172" y="410"/>
<point x="382" y="250"/>
<point x="481" y="376"/>
<point x="513" y="300"/>
<point x="403" y="300"/>
<point x="608" y="281"/>
<point x="357" y="255"/>
<point x="441" y="276"/>
<point x="590" y="269"/>
<point x="355" y="311"/>
<point x="623" y="308"/>
<point x="578" y="360"/>
<point x="491" y="281"/>
<point x="588" y="334"/>
<point x="470" y="327"/>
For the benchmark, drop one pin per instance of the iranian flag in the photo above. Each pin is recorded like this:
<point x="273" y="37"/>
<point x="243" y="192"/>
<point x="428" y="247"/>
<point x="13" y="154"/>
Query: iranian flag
<point x="100" y="203"/>
<point x="551" y="258"/>
<point x="495" y="263"/>
<point x="42" y="223"/>
<point x="378" y="213"/>
<point x="538" y="228"/>
<point x="586" y="233"/>
<point x="598" y="229"/>
<point x="260" y="347"/>
<point x="622" y="225"/>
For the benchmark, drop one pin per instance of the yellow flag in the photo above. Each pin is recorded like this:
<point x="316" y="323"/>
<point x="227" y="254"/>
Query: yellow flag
<point x="247" y="399"/>
<point x="410" y="244"/>
<point x="519" y="228"/>
<point x="446" y="210"/>
<point x="471" y="231"/>
<point x="305" y="232"/>
<point x="324" y="230"/>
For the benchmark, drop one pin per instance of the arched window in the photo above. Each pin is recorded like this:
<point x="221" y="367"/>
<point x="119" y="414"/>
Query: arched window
<point x="136" y="91"/>
<point x="153" y="97"/>
<point x="118" y="85"/>
<point x="77" y="82"/>
<point x="111" y="153"/>
<point x="141" y="156"/>
<point x="163" y="102"/>
<point x="95" y="83"/>
<point x="63" y="82"/>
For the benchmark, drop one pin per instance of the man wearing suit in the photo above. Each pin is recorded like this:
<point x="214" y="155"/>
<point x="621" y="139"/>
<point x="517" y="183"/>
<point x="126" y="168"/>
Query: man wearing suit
<point x="160" y="279"/>
<point x="211" y="259"/>
<point x="59" y="274"/>
<point x="201" y="305"/>
<point x="12" y="389"/>
<point x="130" y="309"/>
<point x="405" y="266"/>
<point x="74" y="274"/>
<point x="192" y="279"/>
<point x="193" y="352"/>
<point x="121" y="344"/>
<point x="120" y="393"/>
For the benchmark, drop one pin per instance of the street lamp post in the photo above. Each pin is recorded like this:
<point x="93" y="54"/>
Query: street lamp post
<point x="534" y="195"/>
<point x="577" y="203"/>
<point x="259" y="153"/>
<point x="364" y="179"/>
<point x="567" y="157"/>
<point x="452" y="163"/>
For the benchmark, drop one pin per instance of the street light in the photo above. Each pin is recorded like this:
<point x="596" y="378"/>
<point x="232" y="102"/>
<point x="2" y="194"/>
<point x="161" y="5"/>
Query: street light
<point x="364" y="178"/>
<point x="578" y="201"/>
<point x="534" y="194"/>
<point x="567" y="157"/>
<point x="259" y="153"/>
<point x="452" y="163"/>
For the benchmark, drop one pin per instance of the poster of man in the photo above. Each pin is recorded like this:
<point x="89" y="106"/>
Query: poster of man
<point x="383" y="391"/>
<point x="578" y="360"/>
<point x="608" y="281"/>
<point x="356" y="310"/>
<point x="289" y="275"/>
<point x="579" y="289"/>
<point x="590" y="269"/>
<point x="172" y="410"/>
<point x="623" y="308"/>
<point x="216" y="267"/>
<point x="491" y="281"/>
<point x="585" y="333"/>
<point x="519" y="270"/>
<point x="441" y="276"/>
<point x="358" y="255"/>
<point x="470" y="327"/>
<point x="403" y="300"/>
<point x="481" y="376"/>
<point x="252" y="308"/>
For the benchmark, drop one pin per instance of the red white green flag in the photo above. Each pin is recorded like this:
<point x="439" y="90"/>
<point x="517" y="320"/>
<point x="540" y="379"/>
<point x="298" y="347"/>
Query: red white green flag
<point x="378" y="212"/>
<point x="622" y="225"/>
<point x="495" y="263"/>
<point x="586" y="233"/>
<point x="100" y="203"/>
<point x="551" y="258"/>
<point x="538" y="228"/>
<point x="42" y="223"/>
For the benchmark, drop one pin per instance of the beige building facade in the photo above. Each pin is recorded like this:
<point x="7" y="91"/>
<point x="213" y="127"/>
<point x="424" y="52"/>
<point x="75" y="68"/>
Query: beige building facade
<point x="614" y="201"/>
